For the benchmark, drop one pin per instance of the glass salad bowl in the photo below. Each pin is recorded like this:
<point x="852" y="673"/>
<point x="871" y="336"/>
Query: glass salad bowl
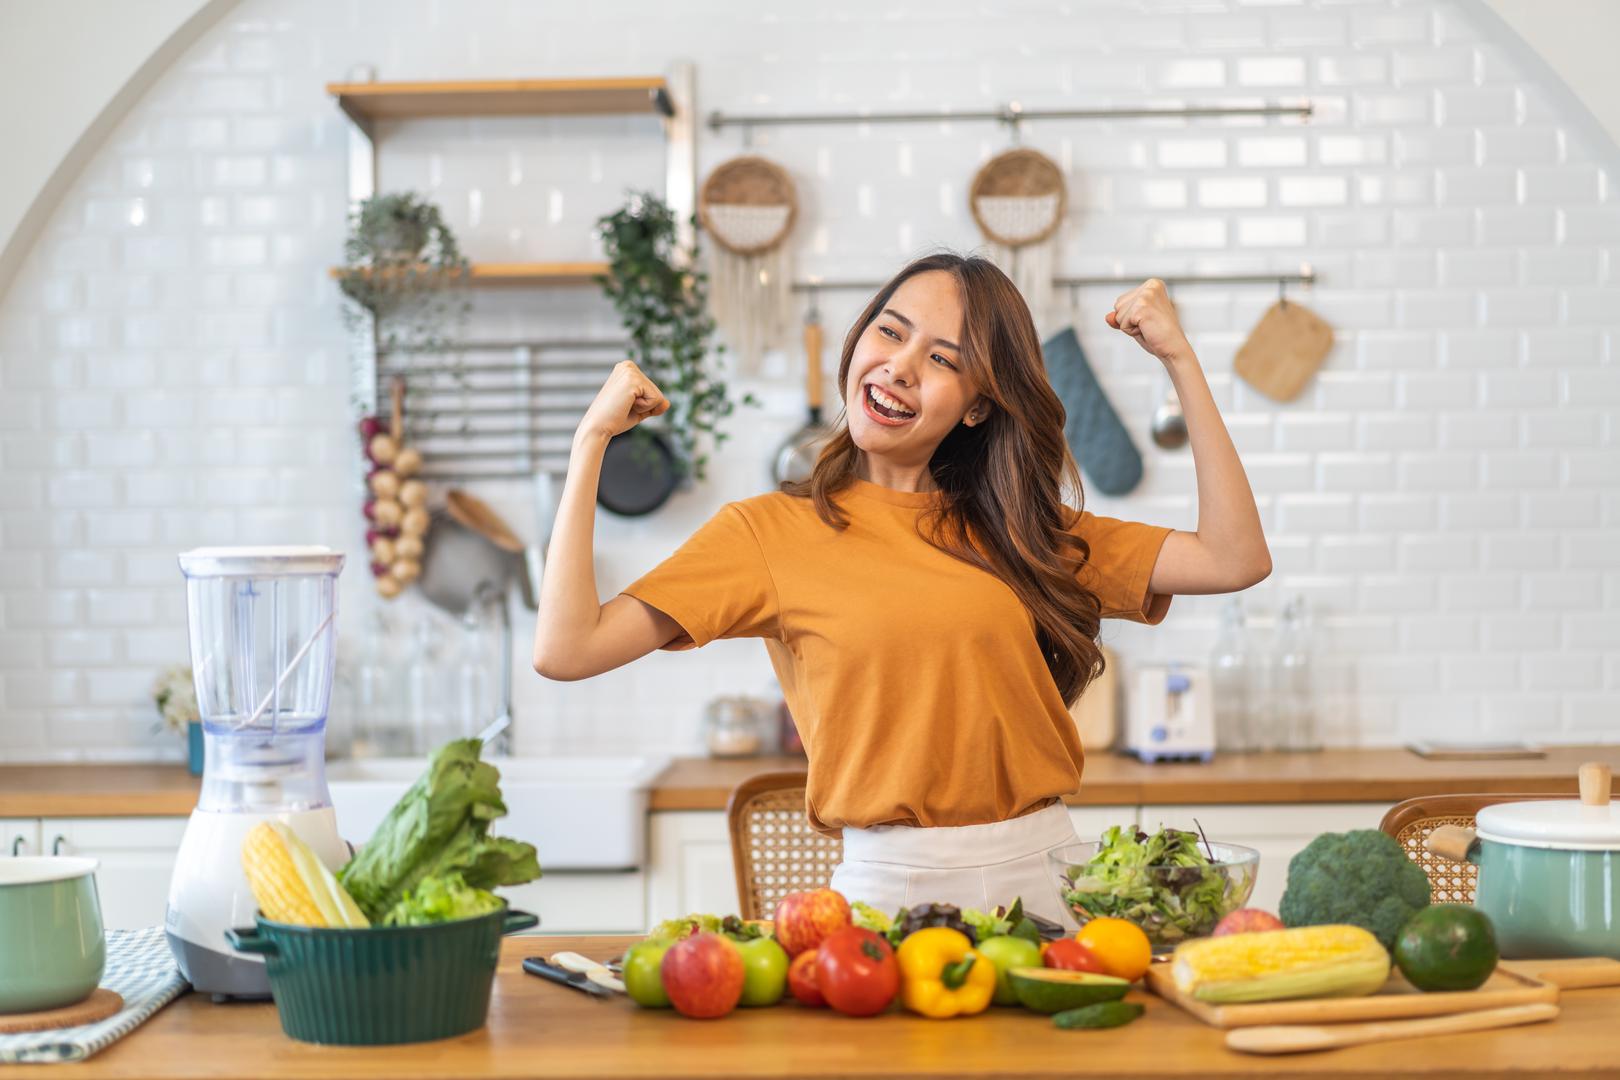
<point x="1173" y="884"/>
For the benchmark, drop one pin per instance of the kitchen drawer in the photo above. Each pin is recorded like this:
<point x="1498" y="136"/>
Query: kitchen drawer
<point x="19" y="836"/>
<point x="613" y="902"/>
<point x="1278" y="831"/>
<point x="137" y="860"/>
<point x="691" y="865"/>
<point x="1091" y="821"/>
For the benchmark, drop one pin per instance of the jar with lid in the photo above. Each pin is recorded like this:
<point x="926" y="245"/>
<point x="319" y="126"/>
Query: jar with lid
<point x="733" y="726"/>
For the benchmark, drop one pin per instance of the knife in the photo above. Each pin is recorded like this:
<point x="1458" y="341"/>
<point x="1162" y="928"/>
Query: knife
<point x="536" y="965"/>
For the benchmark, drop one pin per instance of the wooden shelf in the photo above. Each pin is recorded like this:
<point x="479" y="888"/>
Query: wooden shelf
<point x="495" y="274"/>
<point x="369" y="101"/>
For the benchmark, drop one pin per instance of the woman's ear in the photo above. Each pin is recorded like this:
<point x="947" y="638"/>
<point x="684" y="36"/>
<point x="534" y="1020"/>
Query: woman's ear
<point x="978" y="412"/>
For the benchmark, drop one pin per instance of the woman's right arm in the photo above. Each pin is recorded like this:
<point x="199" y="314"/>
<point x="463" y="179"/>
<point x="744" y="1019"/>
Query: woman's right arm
<point x="577" y="636"/>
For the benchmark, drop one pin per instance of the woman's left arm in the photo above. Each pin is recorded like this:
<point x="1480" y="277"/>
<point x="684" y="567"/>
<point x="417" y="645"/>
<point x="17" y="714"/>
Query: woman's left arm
<point x="1228" y="553"/>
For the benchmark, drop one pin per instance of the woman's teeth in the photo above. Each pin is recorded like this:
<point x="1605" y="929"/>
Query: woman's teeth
<point x="887" y="406"/>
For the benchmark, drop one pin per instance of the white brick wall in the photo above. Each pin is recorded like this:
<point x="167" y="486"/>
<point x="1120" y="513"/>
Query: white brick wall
<point x="172" y="366"/>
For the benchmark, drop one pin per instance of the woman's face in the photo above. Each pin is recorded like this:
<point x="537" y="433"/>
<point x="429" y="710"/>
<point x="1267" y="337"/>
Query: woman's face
<point x="907" y="388"/>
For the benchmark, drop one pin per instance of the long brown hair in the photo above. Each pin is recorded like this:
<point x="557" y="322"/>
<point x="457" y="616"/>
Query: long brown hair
<point x="1003" y="480"/>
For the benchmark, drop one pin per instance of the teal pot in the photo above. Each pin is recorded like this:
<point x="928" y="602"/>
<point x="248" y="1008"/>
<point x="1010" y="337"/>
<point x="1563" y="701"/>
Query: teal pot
<point x="1549" y="871"/>
<point x="52" y="950"/>
<point x="383" y="985"/>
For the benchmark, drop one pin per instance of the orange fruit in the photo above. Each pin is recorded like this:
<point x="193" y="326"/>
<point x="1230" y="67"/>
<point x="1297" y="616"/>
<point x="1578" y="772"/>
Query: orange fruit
<point x="1122" y="947"/>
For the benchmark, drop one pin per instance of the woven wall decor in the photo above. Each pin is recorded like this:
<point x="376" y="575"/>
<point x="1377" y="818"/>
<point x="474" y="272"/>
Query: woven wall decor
<point x="1017" y="198"/>
<point x="748" y="205"/>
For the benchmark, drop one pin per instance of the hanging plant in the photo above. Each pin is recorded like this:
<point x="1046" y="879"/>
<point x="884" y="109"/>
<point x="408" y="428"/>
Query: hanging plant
<point x="404" y="270"/>
<point x="664" y="308"/>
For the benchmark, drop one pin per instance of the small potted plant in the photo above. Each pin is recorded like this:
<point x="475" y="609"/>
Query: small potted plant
<point x="402" y="264"/>
<point x="663" y="304"/>
<point x="175" y="696"/>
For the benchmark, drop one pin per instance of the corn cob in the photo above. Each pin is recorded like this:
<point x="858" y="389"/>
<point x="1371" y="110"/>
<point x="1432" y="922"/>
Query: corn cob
<point x="1308" y="961"/>
<point x="289" y="882"/>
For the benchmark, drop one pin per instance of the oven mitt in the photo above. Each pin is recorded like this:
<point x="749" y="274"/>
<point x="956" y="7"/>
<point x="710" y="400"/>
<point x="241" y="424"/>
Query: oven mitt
<point x="1099" y="440"/>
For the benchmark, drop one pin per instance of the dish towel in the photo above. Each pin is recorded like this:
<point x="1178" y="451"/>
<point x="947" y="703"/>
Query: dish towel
<point x="141" y="969"/>
<point x="1101" y="445"/>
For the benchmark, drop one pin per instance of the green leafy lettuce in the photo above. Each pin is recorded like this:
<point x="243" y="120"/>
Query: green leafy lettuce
<point x="439" y="829"/>
<point x="441" y="899"/>
<point x="1163" y="883"/>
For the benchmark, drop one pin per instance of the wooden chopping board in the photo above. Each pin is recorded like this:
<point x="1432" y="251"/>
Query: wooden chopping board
<point x="1398" y="999"/>
<point x="1284" y="350"/>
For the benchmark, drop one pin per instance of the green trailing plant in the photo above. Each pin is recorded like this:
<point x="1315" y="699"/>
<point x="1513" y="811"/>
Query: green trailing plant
<point x="404" y="270"/>
<point x="663" y="304"/>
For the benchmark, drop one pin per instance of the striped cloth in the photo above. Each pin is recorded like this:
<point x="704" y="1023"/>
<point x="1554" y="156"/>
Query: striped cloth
<point x="141" y="969"/>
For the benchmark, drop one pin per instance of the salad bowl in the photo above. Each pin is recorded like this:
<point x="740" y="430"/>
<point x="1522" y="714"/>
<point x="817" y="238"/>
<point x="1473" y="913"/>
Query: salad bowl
<point x="1173" y="884"/>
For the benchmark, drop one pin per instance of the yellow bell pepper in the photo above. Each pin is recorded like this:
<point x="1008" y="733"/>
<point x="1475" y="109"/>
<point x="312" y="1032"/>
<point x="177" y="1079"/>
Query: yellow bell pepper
<point x="942" y="975"/>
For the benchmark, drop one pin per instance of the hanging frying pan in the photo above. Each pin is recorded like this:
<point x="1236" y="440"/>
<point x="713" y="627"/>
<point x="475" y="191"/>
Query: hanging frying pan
<point x="637" y="479"/>
<point x="797" y="457"/>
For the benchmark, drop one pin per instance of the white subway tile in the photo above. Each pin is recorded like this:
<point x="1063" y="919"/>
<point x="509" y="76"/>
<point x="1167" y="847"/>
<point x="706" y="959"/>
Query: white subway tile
<point x="1351" y="555"/>
<point x="1561" y="509"/>
<point x="118" y="686"/>
<point x="82" y="648"/>
<point x="1520" y="469"/>
<point x="1473" y="513"/>
<point x="1484" y="672"/>
<point x="1395" y="431"/>
<point x="1397" y="592"/>
<point x="1393" y="109"/>
<point x="1561" y="348"/>
<point x="1228" y="192"/>
<point x="1370" y="27"/>
<point x="1594" y="631"/>
<point x="120" y="528"/>
<point x="1563" y="671"/>
<point x="1271" y="231"/>
<point x="1433" y="66"/>
<point x="1190" y="73"/>
<point x="1356" y="149"/>
<point x="1353" y="69"/>
<point x="1439" y="633"/>
<point x="1586" y="387"/>
<point x="1589" y="549"/>
<point x="1560" y="591"/>
<point x="1460" y="269"/>
<point x="1397" y="674"/>
<point x="82" y="489"/>
<point x="1517" y="225"/>
<point x="1355" y="472"/>
<point x="1384" y="512"/>
<point x="1191" y="153"/>
<point x="1271" y="71"/>
<point x="42" y="689"/>
<point x="1478" y="592"/>
<point x="1312" y="513"/>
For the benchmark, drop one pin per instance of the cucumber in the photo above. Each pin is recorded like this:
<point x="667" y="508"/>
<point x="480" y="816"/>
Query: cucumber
<point x="1104" y="1014"/>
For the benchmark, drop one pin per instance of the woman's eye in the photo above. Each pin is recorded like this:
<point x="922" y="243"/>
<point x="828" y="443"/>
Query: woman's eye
<point x="943" y="360"/>
<point x="891" y="333"/>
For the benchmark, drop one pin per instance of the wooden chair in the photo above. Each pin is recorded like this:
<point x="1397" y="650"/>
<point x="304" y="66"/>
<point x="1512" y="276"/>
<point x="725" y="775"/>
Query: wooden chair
<point x="774" y="851"/>
<point x="1412" y="821"/>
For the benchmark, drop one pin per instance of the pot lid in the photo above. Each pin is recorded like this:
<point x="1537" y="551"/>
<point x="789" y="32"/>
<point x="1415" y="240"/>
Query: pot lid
<point x="1591" y="823"/>
<point x="209" y="562"/>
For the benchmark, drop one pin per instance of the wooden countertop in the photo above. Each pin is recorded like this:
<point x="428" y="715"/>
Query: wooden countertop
<point x="1110" y="780"/>
<point x="537" y="1029"/>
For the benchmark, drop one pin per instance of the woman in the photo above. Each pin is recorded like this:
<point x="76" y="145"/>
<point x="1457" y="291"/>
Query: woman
<point x="929" y="602"/>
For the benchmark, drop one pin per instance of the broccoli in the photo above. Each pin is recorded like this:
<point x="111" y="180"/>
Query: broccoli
<point x="1362" y="877"/>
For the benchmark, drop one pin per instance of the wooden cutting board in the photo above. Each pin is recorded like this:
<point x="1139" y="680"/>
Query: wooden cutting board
<point x="1284" y="350"/>
<point x="1396" y="1000"/>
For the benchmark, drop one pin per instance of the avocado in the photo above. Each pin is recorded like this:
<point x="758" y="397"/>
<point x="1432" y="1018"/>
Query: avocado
<point x="1447" y="947"/>
<point x="1052" y="990"/>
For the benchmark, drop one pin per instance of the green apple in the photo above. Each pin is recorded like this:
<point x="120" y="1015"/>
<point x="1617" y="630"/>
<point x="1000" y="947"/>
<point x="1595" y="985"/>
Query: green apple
<point x="643" y="973"/>
<point x="1008" y="952"/>
<point x="765" y="968"/>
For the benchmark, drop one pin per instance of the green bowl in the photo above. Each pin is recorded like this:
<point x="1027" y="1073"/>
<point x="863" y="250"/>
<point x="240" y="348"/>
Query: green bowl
<point x="383" y="985"/>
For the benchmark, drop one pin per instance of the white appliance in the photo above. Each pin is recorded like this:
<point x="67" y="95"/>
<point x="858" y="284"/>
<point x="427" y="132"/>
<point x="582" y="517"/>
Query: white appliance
<point x="263" y="634"/>
<point x="1170" y="714"/>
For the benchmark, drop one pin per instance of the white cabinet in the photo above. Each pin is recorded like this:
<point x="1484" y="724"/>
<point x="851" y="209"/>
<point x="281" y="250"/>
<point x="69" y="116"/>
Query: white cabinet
<point x="137" y="859"/>
<point x="1091" y="821"/>
<point x="19" y="836"/>
<point x="585" y="902"/>
<point x="1278" y="832"/>
<point x="691" y="867"/>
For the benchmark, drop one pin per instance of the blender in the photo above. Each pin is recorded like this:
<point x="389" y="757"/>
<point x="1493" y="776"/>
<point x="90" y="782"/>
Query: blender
<point x="263" y="640"/>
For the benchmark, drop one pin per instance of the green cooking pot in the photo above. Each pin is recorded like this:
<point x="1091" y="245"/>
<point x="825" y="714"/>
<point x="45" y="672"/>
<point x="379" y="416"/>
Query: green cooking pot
<point x="52" y="950"/>
<point x="1549" y="871"/>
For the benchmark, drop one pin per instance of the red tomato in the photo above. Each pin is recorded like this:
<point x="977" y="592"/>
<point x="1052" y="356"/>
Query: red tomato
<point x="802" y="980"/>
<point x="856" y="972"/>
<point x="1069" y="955"/>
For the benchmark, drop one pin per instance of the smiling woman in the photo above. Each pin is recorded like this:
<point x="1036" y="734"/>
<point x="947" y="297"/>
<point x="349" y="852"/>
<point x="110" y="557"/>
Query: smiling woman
<point x="928" y="599"/>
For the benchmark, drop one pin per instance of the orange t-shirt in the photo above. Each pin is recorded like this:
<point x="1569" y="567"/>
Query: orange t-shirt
<point x="915" y="679"/>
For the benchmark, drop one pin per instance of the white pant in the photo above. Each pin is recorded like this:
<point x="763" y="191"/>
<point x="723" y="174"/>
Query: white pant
<point x="971" y="866"/>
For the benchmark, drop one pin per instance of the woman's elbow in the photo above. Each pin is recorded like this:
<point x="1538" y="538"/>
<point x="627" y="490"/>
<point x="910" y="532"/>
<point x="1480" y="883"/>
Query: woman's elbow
<point x="1259" y="571"/>
<point x="549" y="665"/>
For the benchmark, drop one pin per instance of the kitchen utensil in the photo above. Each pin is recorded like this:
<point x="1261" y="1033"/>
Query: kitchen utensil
<point x="534" y="555"/>
<point x="1101" y="444"/>
<point x="476" y="514"/>
<point x="100" y="1004"/>
<point x="384" y="984"/>
<point x="1170" y="716"/>
<point x="1549" y="870"/>
<point x="459" y="560"/>
<point x="1293" y="1040"/>
<point x="1397" y="999"/>
<point x="1570" y="973"/>
<point x="52" y="950"/>
<point x="1095" y="712"/>
<point x="1169" y="425"/>
<point x="1436" y="750"/>
<point x="639" y="472"/>
<point x="574" y="980"/>
<point x="1284" y="350"/>
<point x="1235" y="865"/>
<point x="796" y="459"/>
<point x="599" y="973"/>
<point x="263" y="645"/>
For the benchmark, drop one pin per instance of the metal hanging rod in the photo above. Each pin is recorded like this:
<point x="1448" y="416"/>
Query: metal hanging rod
<point x="546" y="367"/>
<point x="1013" y="114"/>
<point x="506" y="346"/>
<point x="1304" y="276"/>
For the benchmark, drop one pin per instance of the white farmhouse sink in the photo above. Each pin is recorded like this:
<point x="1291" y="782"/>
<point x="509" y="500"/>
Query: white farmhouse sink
<point x="581" y="813"/>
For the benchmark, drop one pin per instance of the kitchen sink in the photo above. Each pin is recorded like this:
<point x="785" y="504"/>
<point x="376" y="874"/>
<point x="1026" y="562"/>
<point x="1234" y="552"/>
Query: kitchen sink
<point x="580" y="813"/>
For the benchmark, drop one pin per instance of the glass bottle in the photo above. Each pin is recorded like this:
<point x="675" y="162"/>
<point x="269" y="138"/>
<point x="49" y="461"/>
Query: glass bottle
<point x="1229" y="676"/>
<point x="425" y="706"/>
<point x="471" y="708"/>
<point x="1292" y="679"/>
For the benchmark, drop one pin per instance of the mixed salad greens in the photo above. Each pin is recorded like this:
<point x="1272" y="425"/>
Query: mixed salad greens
<point x="1164" y="883"/>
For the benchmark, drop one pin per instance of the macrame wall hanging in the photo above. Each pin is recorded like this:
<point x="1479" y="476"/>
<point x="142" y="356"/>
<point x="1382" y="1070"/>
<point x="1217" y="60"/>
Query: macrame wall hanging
<point x="1017" y="198"/>
<point x="748" y="205"/>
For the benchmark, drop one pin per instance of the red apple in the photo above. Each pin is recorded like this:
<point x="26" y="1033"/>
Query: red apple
<point x="703" y="976"/>
<point x="804" y="919"/>
<point x="803" y="980"/>
<point x="1247" y="921"/>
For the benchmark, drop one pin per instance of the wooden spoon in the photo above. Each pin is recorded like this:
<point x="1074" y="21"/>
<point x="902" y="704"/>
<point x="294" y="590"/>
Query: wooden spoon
<point x="476" y="514"/>
<point x="1292" y="1039"/>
